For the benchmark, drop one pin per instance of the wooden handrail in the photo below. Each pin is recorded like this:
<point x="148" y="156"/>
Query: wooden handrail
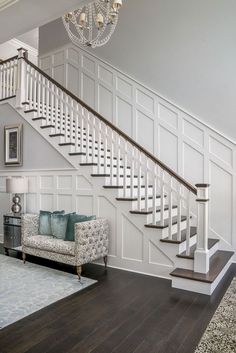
<point x="113" y="127"/>
<point x="8" y="60"/>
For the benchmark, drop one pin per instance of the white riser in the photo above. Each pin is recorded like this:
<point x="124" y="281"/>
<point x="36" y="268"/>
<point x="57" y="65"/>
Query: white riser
<point x="197" y="286"/>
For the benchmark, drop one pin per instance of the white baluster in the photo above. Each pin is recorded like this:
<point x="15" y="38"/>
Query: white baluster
<point x="43" y="96"/>
<point x="179" y="209"/>
<point x="111" y="158"/>
<point x="170" y="205"/>
<point x="11" y="79"/>
<point x="188" y="222"/>
<point x="118" y="172"/>
<point x="132" y="171"/>
<point x="139" y="183"/>
<point x="57" y="125"/>
<point x="76" y="118"/>
<point x="100" y="147"/>
<point x="94" y="151"/>
<point x="162" y="197"/>
<point x="39" y="94"/>
<point x="126" y="169"/>
<point x="105" y="150"/>
<point x="35" y="88"/>
<point x="154" y="196"/>
<point x="147" y="185"/>
<point x="62" y="118"/>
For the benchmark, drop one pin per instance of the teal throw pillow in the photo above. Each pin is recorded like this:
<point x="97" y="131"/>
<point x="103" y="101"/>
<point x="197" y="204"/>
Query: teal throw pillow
<point x="45" y="222"/>
<point x="59" y="225"/>
<point x="75" y="218"/>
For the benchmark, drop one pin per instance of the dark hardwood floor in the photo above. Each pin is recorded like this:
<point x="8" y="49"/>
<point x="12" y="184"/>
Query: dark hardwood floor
<point x="123" y="313"/>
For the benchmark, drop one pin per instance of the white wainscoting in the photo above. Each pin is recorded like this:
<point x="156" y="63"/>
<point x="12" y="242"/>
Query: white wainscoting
<point x="183" y="142"/>
<point x="70" y="190"/>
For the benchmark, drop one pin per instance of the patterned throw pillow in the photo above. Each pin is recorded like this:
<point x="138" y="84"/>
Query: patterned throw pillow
<point x="75" y="218"/>
<point x="59" y="225"/>
<point x="45" y="222"/>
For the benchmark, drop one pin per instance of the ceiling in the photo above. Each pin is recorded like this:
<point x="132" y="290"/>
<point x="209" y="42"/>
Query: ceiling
<point x="24" y="15"/>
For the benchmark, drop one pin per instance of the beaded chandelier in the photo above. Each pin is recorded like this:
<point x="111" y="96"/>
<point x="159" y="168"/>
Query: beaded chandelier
<point x="93" y="25"/>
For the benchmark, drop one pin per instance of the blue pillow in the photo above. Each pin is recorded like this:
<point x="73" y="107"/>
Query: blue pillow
<point x="75" y="218"/>
<point x="59" y="225"/>
<point x="45" y="222"/>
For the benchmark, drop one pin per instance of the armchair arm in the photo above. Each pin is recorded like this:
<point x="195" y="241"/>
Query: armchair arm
<point x="91" y="240"/>
<point x="30" y="225"/>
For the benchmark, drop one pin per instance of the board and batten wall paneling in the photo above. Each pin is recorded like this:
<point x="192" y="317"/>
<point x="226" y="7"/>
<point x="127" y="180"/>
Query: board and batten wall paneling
<point x="70" y="190"/>
<point x="183" y="142"/>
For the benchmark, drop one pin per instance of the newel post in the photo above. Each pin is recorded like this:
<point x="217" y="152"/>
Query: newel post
<point x="21" y="78"/>
<point x="201" y="255"/>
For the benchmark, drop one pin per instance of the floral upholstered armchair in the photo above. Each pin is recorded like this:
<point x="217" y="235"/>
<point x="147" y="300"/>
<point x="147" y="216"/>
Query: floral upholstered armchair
<point x="91" y="242"/>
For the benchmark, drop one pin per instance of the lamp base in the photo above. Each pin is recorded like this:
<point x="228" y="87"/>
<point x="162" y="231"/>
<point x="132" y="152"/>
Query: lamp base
<point x="16" y="207"/>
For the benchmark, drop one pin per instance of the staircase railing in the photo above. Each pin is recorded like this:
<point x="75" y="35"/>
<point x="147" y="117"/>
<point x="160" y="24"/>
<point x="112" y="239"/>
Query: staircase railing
<point x="138" y="174"/>
<point x="8" y="77"/>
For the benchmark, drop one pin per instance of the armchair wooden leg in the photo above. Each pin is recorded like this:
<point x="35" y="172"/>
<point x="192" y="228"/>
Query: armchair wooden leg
<point x="105" y="260"/>
<point x="24" y="257"/>
<point x="79" y="271"/>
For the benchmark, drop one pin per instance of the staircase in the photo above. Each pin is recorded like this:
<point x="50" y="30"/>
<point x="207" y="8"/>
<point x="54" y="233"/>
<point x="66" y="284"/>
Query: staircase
<point x="172" y="212"/>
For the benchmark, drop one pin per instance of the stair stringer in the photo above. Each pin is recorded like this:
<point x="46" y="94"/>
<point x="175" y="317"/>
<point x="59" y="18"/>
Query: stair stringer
<point x="123" y="210"/>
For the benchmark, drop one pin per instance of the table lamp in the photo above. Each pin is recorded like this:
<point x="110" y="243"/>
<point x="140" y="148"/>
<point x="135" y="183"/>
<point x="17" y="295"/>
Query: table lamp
<point x="17" y="185"/>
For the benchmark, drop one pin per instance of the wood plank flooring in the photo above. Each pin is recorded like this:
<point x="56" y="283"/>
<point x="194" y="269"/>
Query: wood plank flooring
<point x="123" y="313"/>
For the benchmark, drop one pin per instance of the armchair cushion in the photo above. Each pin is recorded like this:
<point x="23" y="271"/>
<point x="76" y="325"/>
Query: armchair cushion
<point x="49" y="243"/>
<point x="59" y="225"/>
<point x="75" y="218"/>
<point x="45" y="222"/>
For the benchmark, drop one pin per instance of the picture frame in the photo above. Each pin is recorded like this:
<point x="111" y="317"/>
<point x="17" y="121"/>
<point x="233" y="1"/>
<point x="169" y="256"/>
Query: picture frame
<point x="13" y="154"/>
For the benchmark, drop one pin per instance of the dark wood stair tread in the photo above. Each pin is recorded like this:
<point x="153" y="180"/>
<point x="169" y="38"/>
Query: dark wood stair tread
<point x="217" y="263"/>
<point x="174" y="240"/>
<point x="136" y="199"/>
<point x="150" y="210"/>
<point x="211" y="243"/>
<point x="166" y="223"/>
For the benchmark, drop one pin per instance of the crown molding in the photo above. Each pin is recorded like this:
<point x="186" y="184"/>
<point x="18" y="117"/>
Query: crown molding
<point x="6" y="3"/>
<point x="19" y="44"/>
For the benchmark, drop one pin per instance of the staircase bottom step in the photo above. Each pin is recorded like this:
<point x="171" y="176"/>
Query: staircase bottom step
<point x="200" y="282"/>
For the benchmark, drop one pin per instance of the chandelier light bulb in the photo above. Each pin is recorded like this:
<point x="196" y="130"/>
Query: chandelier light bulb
<point x="100" y="20"/>
<point x="117" y="4"/>
<point x="82" y="19"/>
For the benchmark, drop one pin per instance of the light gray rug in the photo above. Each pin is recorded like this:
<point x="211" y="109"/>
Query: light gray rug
<point x="26" y="288"/>
<point x="220" y="335"/>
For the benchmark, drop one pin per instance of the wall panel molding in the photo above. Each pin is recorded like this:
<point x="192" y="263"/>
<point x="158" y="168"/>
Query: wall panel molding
<point x="182" y="141"/>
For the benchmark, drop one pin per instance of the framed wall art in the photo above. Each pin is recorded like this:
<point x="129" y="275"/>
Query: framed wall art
<point x="13" y="135"/>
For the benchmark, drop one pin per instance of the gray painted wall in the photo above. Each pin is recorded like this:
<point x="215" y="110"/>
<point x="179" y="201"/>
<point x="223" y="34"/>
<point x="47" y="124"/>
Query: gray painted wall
<point x="185" y="50"/>
<point x="37" y="152"/>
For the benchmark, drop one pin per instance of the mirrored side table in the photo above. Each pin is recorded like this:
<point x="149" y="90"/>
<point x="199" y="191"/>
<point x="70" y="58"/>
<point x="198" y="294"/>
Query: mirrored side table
<point x="12" y="232"/>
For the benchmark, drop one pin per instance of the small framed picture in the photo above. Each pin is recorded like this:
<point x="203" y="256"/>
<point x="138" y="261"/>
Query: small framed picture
<point x="13" y="145"/>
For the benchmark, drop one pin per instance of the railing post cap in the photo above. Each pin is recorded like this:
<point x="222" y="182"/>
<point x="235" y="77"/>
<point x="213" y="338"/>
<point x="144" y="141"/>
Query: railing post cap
<point x="22" y="53"/>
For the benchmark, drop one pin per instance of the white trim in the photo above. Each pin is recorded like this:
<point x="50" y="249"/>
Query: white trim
<point x="19" y="44"/>
<point x="231" y="140"/>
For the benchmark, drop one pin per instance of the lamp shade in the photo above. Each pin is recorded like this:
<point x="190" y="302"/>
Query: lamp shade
<point x="17" y="185"/>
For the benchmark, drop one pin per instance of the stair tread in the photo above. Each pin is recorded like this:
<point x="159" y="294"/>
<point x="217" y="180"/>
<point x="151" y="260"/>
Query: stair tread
<point x="211" y="243"/>
<point x="150" y="210"/>
<point x="217" y="262"/>
<point x="174" y="240"/>
<point x="136" y="199"/>
<point x="166" y="223"/>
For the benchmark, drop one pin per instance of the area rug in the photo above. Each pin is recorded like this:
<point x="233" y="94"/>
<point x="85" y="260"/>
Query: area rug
<point x="26" y="288"/>
<point x="220" y="335"/>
